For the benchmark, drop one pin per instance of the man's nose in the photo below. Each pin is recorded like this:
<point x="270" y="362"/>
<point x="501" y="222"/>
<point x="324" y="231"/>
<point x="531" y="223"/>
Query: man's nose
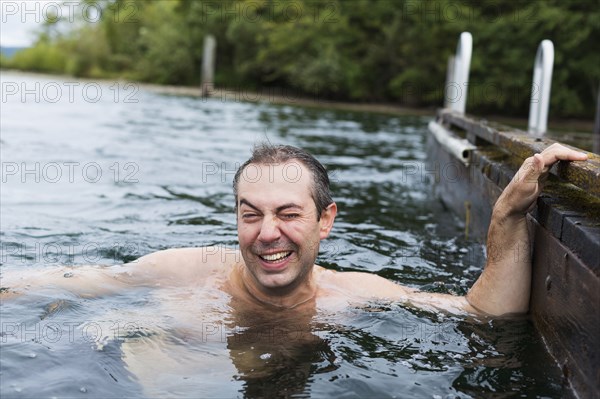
<point x="269" y="230"/>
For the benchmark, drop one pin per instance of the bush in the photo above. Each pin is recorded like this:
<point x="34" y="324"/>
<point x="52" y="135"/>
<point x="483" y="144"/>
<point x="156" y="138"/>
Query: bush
<point x="365" y="50"/>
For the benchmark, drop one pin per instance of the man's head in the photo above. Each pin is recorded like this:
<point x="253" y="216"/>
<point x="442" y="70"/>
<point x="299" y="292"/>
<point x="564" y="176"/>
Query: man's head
<point x="273" y="155"/>
<point x="283" y="209"/>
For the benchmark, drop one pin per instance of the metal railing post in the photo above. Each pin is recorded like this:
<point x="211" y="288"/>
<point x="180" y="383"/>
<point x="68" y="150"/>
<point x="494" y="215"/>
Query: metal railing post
<point x="540" y="88"/>
<point x="458" y="88"/>
<point x="449" y="80"/>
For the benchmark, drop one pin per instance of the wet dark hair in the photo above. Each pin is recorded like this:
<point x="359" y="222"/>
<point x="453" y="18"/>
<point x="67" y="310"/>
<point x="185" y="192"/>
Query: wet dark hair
<point x="278" y="154"/>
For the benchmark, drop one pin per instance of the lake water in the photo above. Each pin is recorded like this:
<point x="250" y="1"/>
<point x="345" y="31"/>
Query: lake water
<point x="105" y="173"/>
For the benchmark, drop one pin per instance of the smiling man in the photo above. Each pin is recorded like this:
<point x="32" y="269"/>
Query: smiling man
<point x="284" y="209"/>
<point x="283" y="213"/>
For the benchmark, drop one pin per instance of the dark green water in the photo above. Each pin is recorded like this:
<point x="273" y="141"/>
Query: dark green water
<point x="105" y="182"/>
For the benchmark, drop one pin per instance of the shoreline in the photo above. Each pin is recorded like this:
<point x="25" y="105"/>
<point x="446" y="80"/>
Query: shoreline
<point x="269" y="95"/>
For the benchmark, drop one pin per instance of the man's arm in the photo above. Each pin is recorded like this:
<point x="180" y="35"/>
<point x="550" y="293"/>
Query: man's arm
<point x="504" y="286"/>
<point x="84" y="281"/>
<point x="361" y="286"/>
<point x="172" y="267"/>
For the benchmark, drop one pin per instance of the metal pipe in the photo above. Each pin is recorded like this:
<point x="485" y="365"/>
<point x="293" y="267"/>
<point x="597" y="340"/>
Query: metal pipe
<point x="460" y="148"/>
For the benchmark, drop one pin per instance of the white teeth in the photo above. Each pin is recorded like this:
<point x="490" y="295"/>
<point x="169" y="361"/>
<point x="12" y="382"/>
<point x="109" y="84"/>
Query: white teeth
<point x="274" y="257"/>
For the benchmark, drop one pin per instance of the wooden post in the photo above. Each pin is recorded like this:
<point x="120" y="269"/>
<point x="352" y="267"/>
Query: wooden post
<point x="449" y="81"/>
<point x="208" y="65"/>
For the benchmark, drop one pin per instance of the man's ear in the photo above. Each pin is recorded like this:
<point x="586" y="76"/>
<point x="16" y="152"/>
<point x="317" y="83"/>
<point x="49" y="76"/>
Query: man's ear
<point x="327" y="218"/>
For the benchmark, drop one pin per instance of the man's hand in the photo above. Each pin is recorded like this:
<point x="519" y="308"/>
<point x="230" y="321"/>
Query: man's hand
<point x="521" y="193"/>
<point x="505" y="284"/>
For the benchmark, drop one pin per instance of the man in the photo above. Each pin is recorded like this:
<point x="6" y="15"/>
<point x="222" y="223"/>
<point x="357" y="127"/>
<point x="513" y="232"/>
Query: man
<point x="283" y="210"/>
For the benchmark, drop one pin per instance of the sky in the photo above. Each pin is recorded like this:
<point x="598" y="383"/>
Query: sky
<point x="19" y="19"/>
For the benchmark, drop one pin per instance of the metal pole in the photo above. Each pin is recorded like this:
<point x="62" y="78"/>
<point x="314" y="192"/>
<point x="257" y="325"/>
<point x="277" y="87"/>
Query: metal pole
<point x="540" y="89"/>
<point x="462" y="65"/>
<point x="449" y="79"/>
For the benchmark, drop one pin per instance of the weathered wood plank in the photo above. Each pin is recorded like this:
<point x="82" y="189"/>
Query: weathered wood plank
<point x="565" y="304"/>
<point x="585" y="175"/>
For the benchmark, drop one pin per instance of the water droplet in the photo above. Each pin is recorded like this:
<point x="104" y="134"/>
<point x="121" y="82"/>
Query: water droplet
<point x="265" y="356"/>
<point x="68" y="275"/>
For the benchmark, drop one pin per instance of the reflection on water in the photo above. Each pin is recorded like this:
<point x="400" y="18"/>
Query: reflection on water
<point x="275" y="353"/>
<point x="107" y="182"/>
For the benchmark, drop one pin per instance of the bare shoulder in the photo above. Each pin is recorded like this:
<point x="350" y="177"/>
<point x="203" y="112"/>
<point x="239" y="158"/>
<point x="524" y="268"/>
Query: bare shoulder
<point x="189" y="257"/>
<point x="361" y="285"/>
<point x="184" y="264"/>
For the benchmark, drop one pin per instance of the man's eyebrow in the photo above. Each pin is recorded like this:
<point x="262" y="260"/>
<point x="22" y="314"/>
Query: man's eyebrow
<point x="280" y="208"/>
<point x="244" y="201"/>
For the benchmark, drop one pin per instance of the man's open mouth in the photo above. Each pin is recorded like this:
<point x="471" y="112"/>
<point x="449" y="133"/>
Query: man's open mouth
<point x="276" y="257"/>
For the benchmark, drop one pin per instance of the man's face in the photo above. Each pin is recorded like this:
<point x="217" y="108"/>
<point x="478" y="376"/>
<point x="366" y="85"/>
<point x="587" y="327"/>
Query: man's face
<point x="278" y="230"/>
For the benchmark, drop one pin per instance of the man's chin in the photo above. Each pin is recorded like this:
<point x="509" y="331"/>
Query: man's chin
<point x="275" y="282"/>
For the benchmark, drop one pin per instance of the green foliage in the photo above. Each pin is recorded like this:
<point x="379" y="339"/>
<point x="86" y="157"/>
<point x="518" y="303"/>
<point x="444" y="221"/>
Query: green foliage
<point x="43" y="57"/>
<point x="364" y="50"/>
<point x="167" y="53"/>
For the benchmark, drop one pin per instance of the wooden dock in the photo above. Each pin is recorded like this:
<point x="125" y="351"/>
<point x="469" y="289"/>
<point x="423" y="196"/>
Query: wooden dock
<point x="565" y="298"/>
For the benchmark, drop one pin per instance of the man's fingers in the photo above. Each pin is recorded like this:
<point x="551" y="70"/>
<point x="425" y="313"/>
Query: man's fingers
<point x="557" y="152"/>
<point x="532" y="168"/>
<point x="540" y="165"/>
<point x="537" y="167"/>
<point x="520" y="194"/>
